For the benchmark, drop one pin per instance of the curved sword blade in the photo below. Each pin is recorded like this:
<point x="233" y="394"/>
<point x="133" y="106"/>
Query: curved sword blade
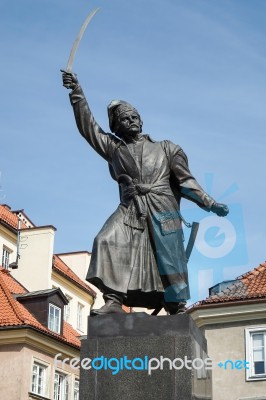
<point x="78" y="39"/>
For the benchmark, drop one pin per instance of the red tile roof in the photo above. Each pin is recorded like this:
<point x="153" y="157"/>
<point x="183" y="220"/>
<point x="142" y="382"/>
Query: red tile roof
<point x="7" y="216"/>
<point x="12" y="313"/>
<point x="70" y="334"/>
<point x="62" y="268"/>
<point x="251" y="285"/>
<point x="13" y="285"/>
<point x="255" y="280"/>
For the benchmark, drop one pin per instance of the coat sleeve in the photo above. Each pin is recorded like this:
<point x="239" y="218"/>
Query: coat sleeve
<point x="187" y="185"/>
<point x="99" y="140"/>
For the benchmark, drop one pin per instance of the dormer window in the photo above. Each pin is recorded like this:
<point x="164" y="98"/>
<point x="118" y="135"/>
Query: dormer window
<point x="54" y="318"/>
<point x="47" y="306"/>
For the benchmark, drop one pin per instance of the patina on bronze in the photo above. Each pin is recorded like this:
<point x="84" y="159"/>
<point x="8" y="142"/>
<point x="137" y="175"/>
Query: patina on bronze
<point x="138" y="257"/>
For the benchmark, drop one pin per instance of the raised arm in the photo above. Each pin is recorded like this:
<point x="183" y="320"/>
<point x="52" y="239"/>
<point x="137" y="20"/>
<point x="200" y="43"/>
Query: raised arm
<point x="100" y="141"/>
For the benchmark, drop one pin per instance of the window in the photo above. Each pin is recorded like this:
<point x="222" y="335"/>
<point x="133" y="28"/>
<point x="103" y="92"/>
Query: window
<point x="76" y="389"/>
<point x="38" y="384"/>
<point x="54" y="318"/>
<point x="256" y="353"/>
<point x="5" y="257"/>
<point x="61" y="386"/>
<point x="67" y="309"/>
<point x="80" y="317"/>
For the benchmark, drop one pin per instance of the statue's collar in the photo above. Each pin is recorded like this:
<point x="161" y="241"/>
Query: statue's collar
<point x="140" y="138"/>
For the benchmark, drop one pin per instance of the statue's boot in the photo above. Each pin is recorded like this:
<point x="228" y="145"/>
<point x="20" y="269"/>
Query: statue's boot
<point x="175" y="307"/>
<point x="113" y="305"/>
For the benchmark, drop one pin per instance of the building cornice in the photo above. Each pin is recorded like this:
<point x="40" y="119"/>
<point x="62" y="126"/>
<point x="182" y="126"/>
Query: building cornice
<point x="237" y="312"/>
<point x="59" y="277"/>
<point x="74" y="253"/>
<point x="42" y="227"/>
<point x="8" y="230"/>
<point x="38" y="340"/>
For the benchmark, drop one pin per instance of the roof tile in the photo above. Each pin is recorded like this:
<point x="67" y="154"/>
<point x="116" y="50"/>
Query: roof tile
<point x="251" y="285"/>
<point x="62" y="268"/>
<point x="12" y="313"/>
<point x="13" y="285"/>
<point x="10" y="218"/>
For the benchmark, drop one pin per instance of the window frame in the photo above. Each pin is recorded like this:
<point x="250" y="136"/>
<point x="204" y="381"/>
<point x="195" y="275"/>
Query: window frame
<point x="5" y="259"/>
<point x="76" y="389"/>
<point x="52" y="323"/>
<point x="80" y="309"/>
<point x="64" y="383"/>
<point x="67" y="308"/>
<point x="44" y="386"/>
<point x="250" y="373"/>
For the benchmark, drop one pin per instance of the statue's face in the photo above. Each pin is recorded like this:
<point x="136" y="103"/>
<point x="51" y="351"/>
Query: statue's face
<point x="128" y="124"/>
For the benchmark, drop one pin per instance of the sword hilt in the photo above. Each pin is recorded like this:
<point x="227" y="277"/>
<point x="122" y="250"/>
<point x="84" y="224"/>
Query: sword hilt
<point x="68" y="73"/>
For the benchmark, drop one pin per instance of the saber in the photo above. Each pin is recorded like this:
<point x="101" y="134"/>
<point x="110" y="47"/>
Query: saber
<point x="78" y="39"/>
<point x="192" y="238"/>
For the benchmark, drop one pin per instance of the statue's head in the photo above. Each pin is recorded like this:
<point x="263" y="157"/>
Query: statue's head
<point x="124" y="119"/>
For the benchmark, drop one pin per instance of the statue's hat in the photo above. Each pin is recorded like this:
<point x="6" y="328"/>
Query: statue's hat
<point x="116" y="108"/>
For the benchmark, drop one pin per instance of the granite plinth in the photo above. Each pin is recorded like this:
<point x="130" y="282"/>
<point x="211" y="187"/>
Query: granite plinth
<point x="141" y="337"/>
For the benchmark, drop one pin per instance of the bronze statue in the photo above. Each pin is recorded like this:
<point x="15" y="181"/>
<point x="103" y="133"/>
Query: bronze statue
<point x="138" y="257"/>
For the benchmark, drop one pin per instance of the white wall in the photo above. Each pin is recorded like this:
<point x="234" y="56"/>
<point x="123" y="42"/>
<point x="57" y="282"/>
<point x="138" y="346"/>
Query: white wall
<point x="79" y="263"/>
<point x="36" y="255"/>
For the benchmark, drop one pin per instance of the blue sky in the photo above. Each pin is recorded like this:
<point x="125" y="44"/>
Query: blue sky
<point x="194" y="69"/>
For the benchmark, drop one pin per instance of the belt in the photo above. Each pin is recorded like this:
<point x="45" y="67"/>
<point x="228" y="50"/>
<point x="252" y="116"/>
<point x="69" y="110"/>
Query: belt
<point x="137" y="210"/>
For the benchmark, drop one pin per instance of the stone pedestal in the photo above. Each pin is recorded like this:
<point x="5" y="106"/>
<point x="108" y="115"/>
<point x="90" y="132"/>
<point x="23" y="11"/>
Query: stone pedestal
<point x="125" y="345"/>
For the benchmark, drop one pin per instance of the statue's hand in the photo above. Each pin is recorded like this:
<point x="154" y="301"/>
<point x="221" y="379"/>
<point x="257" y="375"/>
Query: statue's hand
<point x="220" y="209"/>
<point x="70" y="80"/>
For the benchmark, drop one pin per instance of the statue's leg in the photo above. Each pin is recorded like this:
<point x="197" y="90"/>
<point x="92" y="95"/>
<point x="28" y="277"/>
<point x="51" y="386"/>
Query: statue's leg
<point x="113" y="304"/>
<point x="175" y="307"/>
<point x="123" y="263"/>
<point x="172" y="266"/>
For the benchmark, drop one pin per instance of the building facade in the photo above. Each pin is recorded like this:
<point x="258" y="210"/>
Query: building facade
<point x="43" y="310"/>
<point x="33" y="336"/>
<point x="32" y="248"/>
<point x="233" y="319"/>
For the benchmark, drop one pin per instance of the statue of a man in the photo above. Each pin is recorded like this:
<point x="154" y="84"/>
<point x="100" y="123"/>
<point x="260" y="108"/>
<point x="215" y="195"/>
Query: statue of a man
<point x="138" y="257"/>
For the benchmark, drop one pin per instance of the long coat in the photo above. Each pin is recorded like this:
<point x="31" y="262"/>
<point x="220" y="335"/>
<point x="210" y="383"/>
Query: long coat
<point x="139" y="251"/>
